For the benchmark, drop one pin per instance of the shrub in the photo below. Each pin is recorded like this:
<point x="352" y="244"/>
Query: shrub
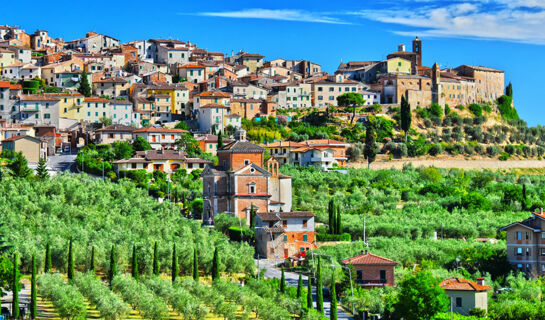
<point x="435" y="149"/>
<point x="479" y="149"/>
<point x="436" y="121"/>
<point x="469" y="149"/>
<point x="510" y="149"/>
<point x="492" y="151"/>
<point x="476" y="110"/>
<point x="427" y="123"/>
<point x="504" y="156"/>
<point x="322" y="236"/>
<point x="68" y="301"/>
<point x="436" y="110"/>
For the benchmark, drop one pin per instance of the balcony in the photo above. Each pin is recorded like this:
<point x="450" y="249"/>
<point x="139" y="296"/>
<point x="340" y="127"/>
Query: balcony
<point x="371" y="282"/>
<point x="30" y="108"/>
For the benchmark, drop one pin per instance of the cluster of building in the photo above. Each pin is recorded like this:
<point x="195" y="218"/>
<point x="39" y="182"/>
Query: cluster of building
<point x="157" y="81"/>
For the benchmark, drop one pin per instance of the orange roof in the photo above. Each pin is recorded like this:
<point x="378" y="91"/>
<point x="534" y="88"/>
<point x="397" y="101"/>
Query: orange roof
<point x="95" y="99"/>
<point x="214" y="94"/>
<point x="7" y="84"/>
<point x="165" y="130"/>
<point x="369" y="259"/>
<point x="285" y="144"/>
<point x="540" y="214"/>
<point x="213" y="105"/>
<point x="324" y="142"/>
<point x="190" y="66"/>
<point x="37" y="97"/>
<point x="462" y="285"/>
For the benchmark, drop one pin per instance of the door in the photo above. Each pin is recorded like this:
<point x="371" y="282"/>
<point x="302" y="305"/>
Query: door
<point x="382" y="276"/>
<point x="285" y="253"/>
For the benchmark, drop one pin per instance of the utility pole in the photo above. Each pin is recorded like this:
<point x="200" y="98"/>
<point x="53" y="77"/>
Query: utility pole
<point x="364" y="240"/>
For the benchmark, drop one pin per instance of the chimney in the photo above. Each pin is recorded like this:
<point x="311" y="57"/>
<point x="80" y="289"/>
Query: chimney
<point x="480" y="281"/>
<point x="363" y="252"/>
<point x="541" y="210"/>
<point x="401" y="47"/>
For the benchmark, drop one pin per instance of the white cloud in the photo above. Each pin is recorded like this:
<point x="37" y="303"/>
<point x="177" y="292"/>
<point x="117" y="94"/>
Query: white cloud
<point x="277" y="14"/>
<point x="518" y="20"/>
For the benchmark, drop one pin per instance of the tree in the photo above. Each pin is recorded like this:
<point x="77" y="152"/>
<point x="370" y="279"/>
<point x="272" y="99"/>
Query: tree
<point x="195" y="265"/>
<point x="19" y="166"/>
<point x="41" y="170"/>
<point x="105" y="121"/>
<point x="140" y="144"/>
<point x="420" y="297"/>
<point x="351" y="99"/>
<point x="84" y="86"/>
<point x="338" y="222"/>
<point x="15" y="286"/>
<point x="134" y="267"/>
<point x="92" y="262"/>
<point x="33" y="294"/>
<point x="113" y="266"/>
<point x="252" y="217"/>
<point x="523" y="196"/>
<point x="309" y="293"/>
<point x="406" y="116"/>
<point x="215" y="266"/>
<point x="300" y="286"/>
<point x="319" y="289"/>
<point x="70" y="269"/>
<point x="220" y="140"/>
<point x="156" y="267"/>
<point x="509" y="90"/>
<point x="283" y="282"/>
<point x="47" y="260"/>
<point x="370" y="148"/>
<point x="333" y="309"/>
<point x="331" y="212"/>
<point x="182" y="125"/>
<point x="188" y="144"/>
<point x="174" y="267"/>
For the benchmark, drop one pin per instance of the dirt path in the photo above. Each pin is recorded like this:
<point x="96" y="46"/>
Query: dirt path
<point x="453" y="163"/>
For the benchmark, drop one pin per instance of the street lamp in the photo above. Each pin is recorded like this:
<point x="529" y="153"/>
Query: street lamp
<point x="351" y="286"/>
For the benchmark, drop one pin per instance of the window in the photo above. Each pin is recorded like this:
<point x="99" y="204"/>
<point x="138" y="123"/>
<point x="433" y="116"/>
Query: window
<point x="284" y="223"/>
<point x="543" y="251"/>
<point x="542" y="234"/>
<point x="305" y="238"/>
<point x="251" y="188"/>
<point x="246" y="162"/>
<point x="285" y="238"/>
<point x="65" y="109"/>
<point x="528" y="253"/>
<point x="47" y="116"/>
<point x="527" y="235"/>
<point x="331" y="89"/>
<point x="519" y="235"/>
<point x="458" y="302"/>
<point x="518" y="251"/>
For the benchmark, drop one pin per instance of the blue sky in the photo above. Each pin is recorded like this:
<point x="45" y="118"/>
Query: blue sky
<point x="503" y="34"/>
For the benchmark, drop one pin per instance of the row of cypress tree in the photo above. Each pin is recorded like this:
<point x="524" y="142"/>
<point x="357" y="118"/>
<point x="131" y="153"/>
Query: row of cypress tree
<point x="335" y="223"/>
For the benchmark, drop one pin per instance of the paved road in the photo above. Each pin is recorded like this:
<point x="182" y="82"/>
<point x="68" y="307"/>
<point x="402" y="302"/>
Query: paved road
<point x="292" y="279"/>
<point x="61" y="162"/>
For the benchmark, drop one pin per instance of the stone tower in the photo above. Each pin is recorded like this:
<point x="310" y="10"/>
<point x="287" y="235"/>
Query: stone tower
<point x="435" y="84"/>
<point x="417" y="48"/>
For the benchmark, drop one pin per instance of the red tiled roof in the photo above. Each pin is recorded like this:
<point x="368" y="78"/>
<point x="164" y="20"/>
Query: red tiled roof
<point x="213" y="105"/>
<point x="7" y="84"/>
<point x="190" y="66"/>
<point x="369" y="259"/>
<point x="462" y="285"/>
<point x="214" y="94"/>
<point x="277" y="216"/>
<point x="284" y="144"/>
<point x="93" y="99"/>
<point x="165" y="130"/>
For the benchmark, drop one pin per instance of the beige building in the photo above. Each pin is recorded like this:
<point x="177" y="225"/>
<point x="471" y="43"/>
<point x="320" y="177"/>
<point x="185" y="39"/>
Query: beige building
<point x="167" y="161"/>
<point x="32" y="148"/>
<point x="489" y="82"/>
<point x="325" y="92"/>
<point x="159" y="138"/>
<point x="466" y="295"/>
<point x="112" y="133"/>
<point x="417" y="89"/>
<point x="526" y="244"/>
<point x="112" y="87"/>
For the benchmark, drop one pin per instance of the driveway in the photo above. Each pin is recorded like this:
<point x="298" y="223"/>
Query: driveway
<point x="292" y="279"/>
<point x="60" y="162"/>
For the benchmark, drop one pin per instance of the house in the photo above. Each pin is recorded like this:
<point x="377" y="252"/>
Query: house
<point x="8" y="99"/>
<point x="392" y="86"/>
<point x="281" y="150"/>
<point x="112" y="87"/>
<point x="280" y="235"/>
<point x="114" y="132"/>
<point x="121" y="112"/>
<point x="32" y="148"/>
<point x="326" y="91"/>
<point x="179" y="96"/>
<point x="208" y="143"/>
<point x="212" y="116"/>
<point x="70" y="104"/>
<point x="321" y="153"/>
<point x="294" y="95"/>
<point x="489" y="82"/>
<point x="192" y="72"/>
<point x="95" y="108"/>
<point x="159" y="138"/>
<point x="38" y="109"/>
<point x="92" y="43"/>
<point x="466" y="295"/>
<point x="372" y="270"/>
<point x="251" y="108"/>
<point x="211" y="97"/>
<point x="167" y="161"/>
<point x="48" y="135"/>
<point x="415" y="57"/>
<point x="240" y="182"/>
<point x="526" y="244"/>
<point x="7" y="58"/>
<point x="251" y="60"/>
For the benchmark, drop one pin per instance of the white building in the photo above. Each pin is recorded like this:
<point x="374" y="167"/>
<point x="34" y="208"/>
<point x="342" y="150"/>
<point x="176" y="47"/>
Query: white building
<point x="38" y="109"/>
<point x="212" y="115"/>
<point x="121" y="112"/>
<point x="159" y="138"/>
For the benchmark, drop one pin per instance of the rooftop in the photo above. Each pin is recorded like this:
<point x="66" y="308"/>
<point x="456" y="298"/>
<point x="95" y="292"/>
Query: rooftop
<point x="369" y="259"/>
<point x="460" y="284"/>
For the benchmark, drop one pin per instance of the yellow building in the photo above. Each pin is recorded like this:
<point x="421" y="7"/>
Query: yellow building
<point x="7" y="58"/>
<point x="179" y="96"/>
<point x="398" y="65"/>
<point x="70" y="105"/>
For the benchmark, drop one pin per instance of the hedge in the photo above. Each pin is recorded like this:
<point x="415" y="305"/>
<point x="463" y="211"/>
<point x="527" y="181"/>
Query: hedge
<point x="333" y="237"/>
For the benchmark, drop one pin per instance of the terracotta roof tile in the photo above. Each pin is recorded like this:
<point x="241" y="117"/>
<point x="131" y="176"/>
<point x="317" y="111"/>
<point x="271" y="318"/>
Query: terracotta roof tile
<point x="160" y="130"/>
<point x="369" y="259"/>
<point x="277" y="216"/>
<point x="460" y="284"/>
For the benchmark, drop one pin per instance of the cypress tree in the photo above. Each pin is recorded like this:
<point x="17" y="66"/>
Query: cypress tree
<point x="252" y="217"/>
<point x="331" y="212"/>
<point x="220" y="140"/>
<point x="155" y="260"/>
<point x="370" y="147"/>
<point x="406" y="117"/>
<point x="174" y="267"/>
<point x="283" y="282"/>
<point x="509" y="90"/>
<point x="319" y="289"/>
<point x="113" y="265"/>
<point x="134" y="269"/>
<point x="47" y="264"/>
<point x="16" y="286"/>
<point x="84" y="86"/>
<point x="338" y="224"/>
<point x="333" y="310"/>
<point x="215" y="266"/>
<point x="92" y="263"/>
<point x="300" y="286"/>
<point x="524" y="197"/>
<point x="309" y="293"/>
<point x="195" y="265"/>
<point x="70" y="271"/>
<point x="33" y="294"/>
